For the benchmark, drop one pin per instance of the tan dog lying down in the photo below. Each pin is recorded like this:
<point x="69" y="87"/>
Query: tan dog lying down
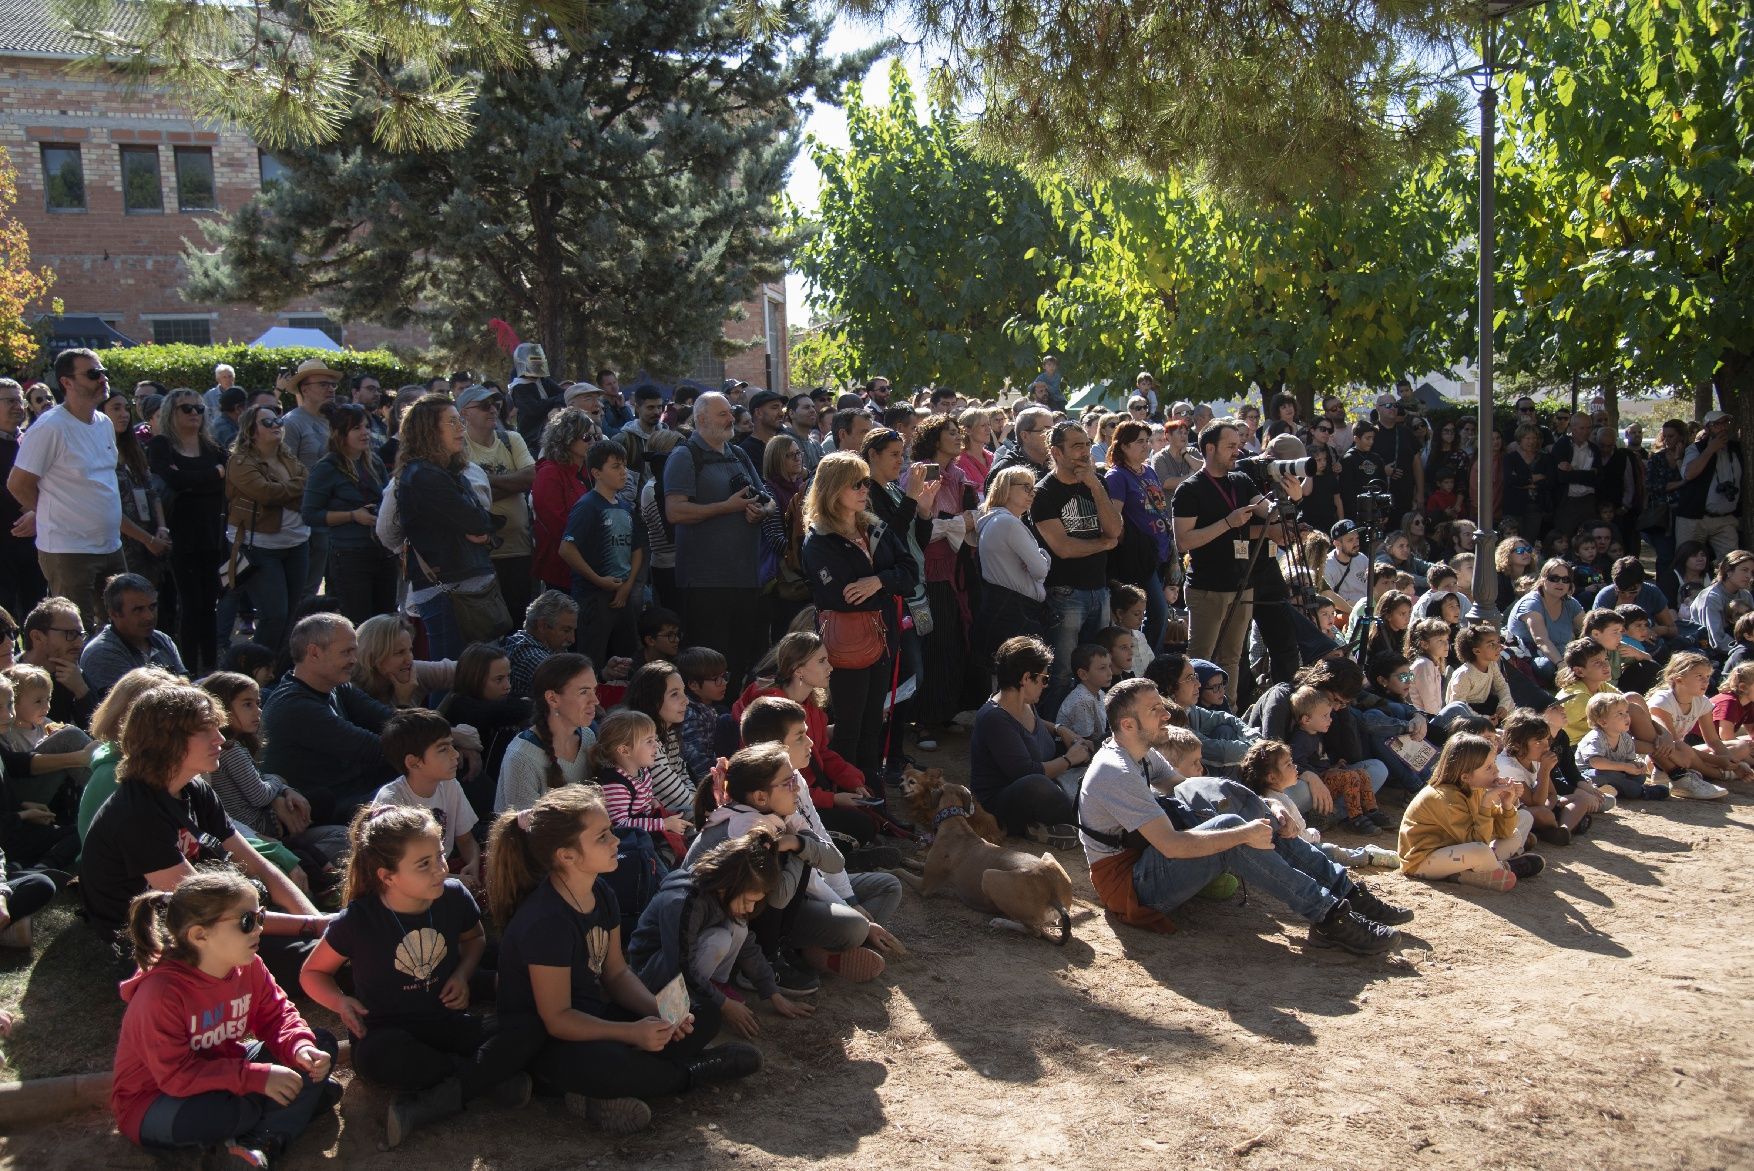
<point x="1030" y="894"/>
<point x="922" y="790"/>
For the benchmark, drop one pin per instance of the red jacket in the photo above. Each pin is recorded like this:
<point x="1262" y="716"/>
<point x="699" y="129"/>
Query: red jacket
<point x="184" y="1031"/>
<point x="828" y="770"/>
<point x="555" y="490"/>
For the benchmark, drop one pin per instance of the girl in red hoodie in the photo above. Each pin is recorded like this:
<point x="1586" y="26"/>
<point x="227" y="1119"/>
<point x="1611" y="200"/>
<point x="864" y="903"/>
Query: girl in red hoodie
<point x="186" y="1073"/>
<point x="837" y="788"/>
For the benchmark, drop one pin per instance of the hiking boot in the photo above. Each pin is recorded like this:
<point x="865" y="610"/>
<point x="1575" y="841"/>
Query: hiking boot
<point x="234" y="1157"/>
<point x="858" y="964"/>
<point x="1366" y="903"/>
<point x="514" y="1092"/>
<point x="724" y="1063"/>
<point x="793" y="977"/>
<point x="611" y="1115"/>
<point x="1526" y="866"/>
<point x="1553" y="835"/>
<point x="409" y="1112"/>
<point x="1345" y="929"/>
<point x="1500" y="878"/>
<point x="1380" y="818"/>
<point x="1691" y="785"/>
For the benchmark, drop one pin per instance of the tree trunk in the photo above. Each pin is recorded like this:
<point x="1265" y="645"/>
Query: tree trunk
<point x="1575" y="381"/>
<point x="1701" y="398"/>
<point x="1306" y="396"/>
<point x="1734" y="382"/>
<point x="1611" y="399"/>
<point x="548" y="291"/>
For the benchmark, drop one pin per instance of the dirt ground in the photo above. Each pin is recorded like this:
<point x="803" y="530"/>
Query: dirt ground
<point x="1596" y="1017"/>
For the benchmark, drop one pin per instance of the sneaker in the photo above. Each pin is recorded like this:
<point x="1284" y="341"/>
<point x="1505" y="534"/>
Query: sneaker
<point x="613" y="1115"/>
<point x="863" y="859"/>
<point x="1363" y="825"/>
<point x="860" y="965"/>
<point x="234" y="1155"/>
<point x="730" y="991"/>
<point x="1654" y="793"/>
<point x="331" y="1096"/>
<point x="1378" y="817"/>
<point x="1609" y="800"/>
<point x="1689" y="784"/>
<point x="409" y="1112"/>
<point x="794" y="978"/>
<point x="927" y="743"/>
<point x="1526" y="866"/>
<point x="724" y="1063"/>
<point x="1375" y="855"/>
<point x="1500" y="878"/>
<point x="1366" y="903"/>
<point x="1553" y="835"/>
<point x="1345" y="929"/>
<point x="514" y="1093"/>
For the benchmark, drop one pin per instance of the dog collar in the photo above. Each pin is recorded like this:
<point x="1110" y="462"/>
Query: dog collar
<point x="948" y="812"/>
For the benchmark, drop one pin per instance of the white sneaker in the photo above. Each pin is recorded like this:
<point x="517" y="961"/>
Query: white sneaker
<point x="1387" y="859"/>
<point x="1691" y="785"/>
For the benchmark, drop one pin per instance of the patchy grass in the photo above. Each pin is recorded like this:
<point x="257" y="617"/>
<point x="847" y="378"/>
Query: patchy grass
<point x="62" y="996"/>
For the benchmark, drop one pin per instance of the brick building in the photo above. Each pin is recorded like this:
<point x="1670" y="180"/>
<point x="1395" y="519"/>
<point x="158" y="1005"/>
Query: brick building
<point x="111" y="184"/>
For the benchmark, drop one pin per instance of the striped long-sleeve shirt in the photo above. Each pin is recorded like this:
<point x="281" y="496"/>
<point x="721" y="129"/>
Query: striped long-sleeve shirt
<point x="629" y="799"/>
<point x="247" y="795"/>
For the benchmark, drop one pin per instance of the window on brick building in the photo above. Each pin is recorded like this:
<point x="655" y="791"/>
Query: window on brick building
<point x="271" y="169"/>
<point x="195" y="190"/>
<point x="194" y="331"/>
<point x="63" y="178"/>
<point x="317" y="321"/>
<point x="141" y="189"/>
<point x="706" y="367"/>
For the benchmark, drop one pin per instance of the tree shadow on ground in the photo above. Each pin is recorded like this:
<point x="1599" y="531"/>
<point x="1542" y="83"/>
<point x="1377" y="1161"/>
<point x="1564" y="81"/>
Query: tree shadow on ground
<point x="1234" y="957"/>
<point x="69" y="1012"/>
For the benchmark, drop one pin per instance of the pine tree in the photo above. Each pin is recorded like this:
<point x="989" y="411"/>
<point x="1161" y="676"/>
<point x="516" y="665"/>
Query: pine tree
<point x="613" y="201"/>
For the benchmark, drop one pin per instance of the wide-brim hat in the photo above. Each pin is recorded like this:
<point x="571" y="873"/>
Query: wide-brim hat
<point x="309" y="367"/>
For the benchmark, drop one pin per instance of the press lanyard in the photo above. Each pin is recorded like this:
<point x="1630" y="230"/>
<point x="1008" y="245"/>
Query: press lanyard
<point x="1224" y="491"/>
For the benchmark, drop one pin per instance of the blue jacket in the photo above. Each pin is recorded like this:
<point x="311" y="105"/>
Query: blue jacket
<point x="439" y="512"/>
<point x="331" y="489"/>
<point x="663" y="944"/>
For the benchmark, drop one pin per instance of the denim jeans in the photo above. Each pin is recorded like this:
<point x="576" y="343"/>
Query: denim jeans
<point x="273" y="588"/>
<point x="1382" y="728"/>
<point x="315" y="566"/>
<point x="218" y="1116"/>
<point x="1156" y="616"/>
<point x="1080" y="616"/>
<point x="444" y="638"/>
<point x="1293" y="871"/>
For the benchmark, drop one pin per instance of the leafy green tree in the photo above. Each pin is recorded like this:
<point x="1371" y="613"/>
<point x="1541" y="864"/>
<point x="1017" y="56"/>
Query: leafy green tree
<point x="928" y="260"/>
<point x="1213" y="297"/>
<point x="20" y="285"/>
<point x="613" y="202"/>
<point x="1259" y="98"/>
<point x="819" y="356"/>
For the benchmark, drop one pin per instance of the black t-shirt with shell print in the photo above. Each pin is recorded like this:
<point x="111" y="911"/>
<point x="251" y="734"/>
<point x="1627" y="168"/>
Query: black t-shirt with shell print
<point x="401" y="961"/>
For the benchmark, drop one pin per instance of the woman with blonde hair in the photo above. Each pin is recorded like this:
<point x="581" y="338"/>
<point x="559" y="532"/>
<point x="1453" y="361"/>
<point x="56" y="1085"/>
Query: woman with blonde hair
<point x="859" y="579"/>
<point x="976" y="460"/>
<point x="270" y="541"/>
<point x="386" y="668"/>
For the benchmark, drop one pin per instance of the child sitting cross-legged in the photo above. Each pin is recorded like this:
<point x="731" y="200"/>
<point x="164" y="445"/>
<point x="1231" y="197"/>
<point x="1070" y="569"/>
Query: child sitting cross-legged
<point x="186" y="1073"/>
<point x="1345" y="791"/>
<point x="1608" y="755"/>
<point x="418" y="741"/>
<point x="1528" y="760"/>
<point x="622" y="761"/>
<point x="1267" y="770"/>
<point x="1466" y="824"/>
<point x="697" y="926"/>
<point x="1081" y="710"/>
<point x="413" y="937"/>
<point x="705" y="680"/>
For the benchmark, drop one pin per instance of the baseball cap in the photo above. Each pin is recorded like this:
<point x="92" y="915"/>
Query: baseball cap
<point x="1342" y="527"/>
<point x="470" y="395"/>
<point x="1713" y="416"/>
<point x="762" y="397"/>
<point x="733" y="384"/>
<point x="581" y="390"/>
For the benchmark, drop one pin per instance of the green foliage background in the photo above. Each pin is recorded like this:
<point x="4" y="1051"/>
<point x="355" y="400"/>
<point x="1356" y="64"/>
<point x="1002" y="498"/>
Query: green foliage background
<point x="256" y="366"/>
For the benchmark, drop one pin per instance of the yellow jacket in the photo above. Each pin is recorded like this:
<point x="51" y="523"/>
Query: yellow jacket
<point x="1445" y="815"/>
<point x="1576" y="698"/>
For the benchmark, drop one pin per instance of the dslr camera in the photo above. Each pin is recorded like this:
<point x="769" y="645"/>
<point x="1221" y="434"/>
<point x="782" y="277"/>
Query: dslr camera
<point x="740" y="483"/>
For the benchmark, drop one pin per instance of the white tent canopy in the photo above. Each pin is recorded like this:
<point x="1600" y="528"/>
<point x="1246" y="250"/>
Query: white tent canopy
<point x="285" y="335"/>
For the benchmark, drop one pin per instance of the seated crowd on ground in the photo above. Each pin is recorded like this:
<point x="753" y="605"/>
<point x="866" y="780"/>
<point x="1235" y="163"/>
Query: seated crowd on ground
<point x="364" y="704"/>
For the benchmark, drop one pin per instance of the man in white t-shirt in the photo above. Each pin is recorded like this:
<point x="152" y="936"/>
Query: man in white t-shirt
<point x="511" y="470"/>
<point x="1346" y="572"/>
<point x="65" y="484"/>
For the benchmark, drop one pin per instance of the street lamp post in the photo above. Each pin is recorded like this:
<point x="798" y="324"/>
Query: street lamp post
<point x="1485" y="607"/>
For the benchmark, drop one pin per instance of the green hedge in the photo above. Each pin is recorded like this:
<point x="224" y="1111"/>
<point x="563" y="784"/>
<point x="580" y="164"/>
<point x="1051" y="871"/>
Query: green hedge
<point x="256" y="366"/>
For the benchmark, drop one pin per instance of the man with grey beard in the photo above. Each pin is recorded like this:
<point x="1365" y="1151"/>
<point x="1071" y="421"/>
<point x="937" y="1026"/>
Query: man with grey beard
<point x="710" y="489"/>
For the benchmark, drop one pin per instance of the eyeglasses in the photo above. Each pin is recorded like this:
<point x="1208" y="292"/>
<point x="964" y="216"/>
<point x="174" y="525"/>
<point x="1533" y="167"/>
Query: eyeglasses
<point x="252" y="921"/>
<point x="192" y="408"/>
<point x="321" y="385"/>
<point x="1212" y="684"/>
<point x="76" y="632"/>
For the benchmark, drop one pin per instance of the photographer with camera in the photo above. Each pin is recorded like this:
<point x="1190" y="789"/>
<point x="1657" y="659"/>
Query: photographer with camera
<point x="1711" y="488"/>
<point x="1219" y="514"/>
<point x="713" y="497"/>
<point x="1279" y="474"/>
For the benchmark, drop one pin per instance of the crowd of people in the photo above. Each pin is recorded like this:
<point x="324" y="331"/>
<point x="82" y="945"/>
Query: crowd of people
<point x="596" y="706"/>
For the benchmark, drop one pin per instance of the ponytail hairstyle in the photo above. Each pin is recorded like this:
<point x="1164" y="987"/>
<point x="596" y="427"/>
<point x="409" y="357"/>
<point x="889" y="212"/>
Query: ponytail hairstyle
<point x="552" y="674"/>
<point x="625" y="727"/>
<point x="378" y="839"/>
<point x="793" y="651"/>
<point x="159" y="920"/>
<point x="753" y="770"/>
<point x="1258" y="763"/>
<point x="226" y="687"/>
<point x="738" y="866"/>
<point x="1462" y="755"/>
<point x="520" y="852"/>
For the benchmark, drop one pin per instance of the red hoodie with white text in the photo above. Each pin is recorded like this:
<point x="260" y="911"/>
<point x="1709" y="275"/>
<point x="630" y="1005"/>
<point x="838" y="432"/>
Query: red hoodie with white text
<point x="184" y="1034"/>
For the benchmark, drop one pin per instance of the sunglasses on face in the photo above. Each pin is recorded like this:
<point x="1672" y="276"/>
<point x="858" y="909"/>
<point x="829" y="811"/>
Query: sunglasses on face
<point x="1523" y="549"/>
<point x="272" y="422"/>
<point x="252" y="921"/>
<point x="1558" y="580"/>
<point x="192" y="408"/>
<point x="1324" y="430"/>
